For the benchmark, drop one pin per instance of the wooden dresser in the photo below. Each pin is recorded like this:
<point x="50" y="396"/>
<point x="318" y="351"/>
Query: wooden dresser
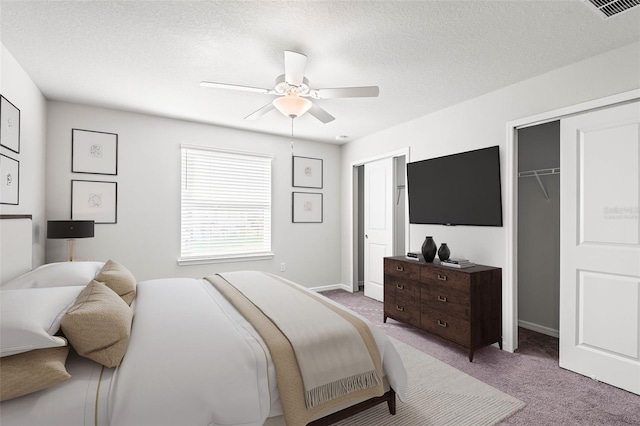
<point x="461" y="305"/>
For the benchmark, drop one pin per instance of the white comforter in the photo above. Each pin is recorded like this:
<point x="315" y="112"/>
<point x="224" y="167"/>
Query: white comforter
<point x="189" y="361"/>
<point x="192" y="360"/>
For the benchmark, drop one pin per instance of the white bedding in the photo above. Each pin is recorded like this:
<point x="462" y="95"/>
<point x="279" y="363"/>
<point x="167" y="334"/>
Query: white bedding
<point x="192" y="360"/>
<point x="69" y="403"/>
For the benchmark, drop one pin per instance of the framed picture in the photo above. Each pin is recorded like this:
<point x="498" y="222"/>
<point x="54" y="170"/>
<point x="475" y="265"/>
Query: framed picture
<point x="92" y="200"/>
<point x="307" y="207"/>
<point x="307" y="172"/>
<point x="94" y="152"/>
<point x="9" y="125"/>
<point x="10" y="185"/>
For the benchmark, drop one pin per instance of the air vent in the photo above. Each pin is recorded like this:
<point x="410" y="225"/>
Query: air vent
<point x="608" y="8"/>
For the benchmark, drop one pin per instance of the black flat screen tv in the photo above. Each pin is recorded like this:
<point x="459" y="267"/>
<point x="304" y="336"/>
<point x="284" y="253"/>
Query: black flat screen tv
<point x="458" y="189"/>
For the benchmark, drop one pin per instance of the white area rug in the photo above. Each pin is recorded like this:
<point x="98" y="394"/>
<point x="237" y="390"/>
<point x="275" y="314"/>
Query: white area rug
<point x="438" y="394"/>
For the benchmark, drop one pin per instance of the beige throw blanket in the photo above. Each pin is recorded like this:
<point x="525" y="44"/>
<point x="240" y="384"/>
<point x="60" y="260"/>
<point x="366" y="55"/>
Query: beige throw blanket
<point x="323" y="355"/>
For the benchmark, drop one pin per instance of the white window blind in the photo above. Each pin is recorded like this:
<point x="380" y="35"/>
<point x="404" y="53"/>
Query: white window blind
<point x="226" y="205"/>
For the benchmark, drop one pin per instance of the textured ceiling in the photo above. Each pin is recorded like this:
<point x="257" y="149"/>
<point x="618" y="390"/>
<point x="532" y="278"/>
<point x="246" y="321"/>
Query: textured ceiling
<point x="149" y="57"/>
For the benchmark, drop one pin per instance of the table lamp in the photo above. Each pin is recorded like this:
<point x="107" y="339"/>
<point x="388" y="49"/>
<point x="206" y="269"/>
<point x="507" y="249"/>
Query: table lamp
<point x="70" y="230"/>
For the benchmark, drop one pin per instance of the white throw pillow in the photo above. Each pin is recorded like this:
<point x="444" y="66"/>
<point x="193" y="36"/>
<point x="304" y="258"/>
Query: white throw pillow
<point x="29" y="318"/>
<point x="56" y="275"/>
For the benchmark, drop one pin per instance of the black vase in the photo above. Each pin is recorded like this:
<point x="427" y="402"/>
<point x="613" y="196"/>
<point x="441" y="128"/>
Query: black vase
<point x="444" y="252"/>
<point x="429" y="249"/>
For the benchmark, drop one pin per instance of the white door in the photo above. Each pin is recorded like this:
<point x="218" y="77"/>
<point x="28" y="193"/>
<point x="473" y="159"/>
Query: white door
<point x="600" y="246"/>
<point x="378" y="224"/>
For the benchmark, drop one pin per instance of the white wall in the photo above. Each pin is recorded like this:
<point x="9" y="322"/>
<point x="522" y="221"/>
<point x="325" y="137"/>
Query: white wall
<point x="481" y="122"/>
<point x="146" y="238"/>
<point x="17" y="87"/>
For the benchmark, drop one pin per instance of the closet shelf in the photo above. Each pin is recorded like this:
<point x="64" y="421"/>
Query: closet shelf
<point x="541" y="172"/>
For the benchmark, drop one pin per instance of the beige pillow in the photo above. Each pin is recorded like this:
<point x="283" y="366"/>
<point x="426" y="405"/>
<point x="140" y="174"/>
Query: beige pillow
<point x="98" y="325"/>
<point x="32" y="371"/>
<point x="119" y="279"/>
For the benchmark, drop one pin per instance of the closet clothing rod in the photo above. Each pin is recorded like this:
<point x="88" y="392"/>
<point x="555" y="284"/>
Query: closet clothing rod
<point x="540" y="172"/>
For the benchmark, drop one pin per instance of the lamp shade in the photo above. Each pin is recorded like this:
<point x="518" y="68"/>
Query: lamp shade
<point x="292" y="105"/>
<point x="68" y="229"/>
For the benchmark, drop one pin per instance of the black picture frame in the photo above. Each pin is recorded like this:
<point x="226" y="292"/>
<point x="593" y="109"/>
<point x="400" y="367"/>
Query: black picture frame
<point x="307" y="172"/>
<point x="94" y="152"/>
<point x="9" y="180"/>
<point x="9" y="125"/>
<point x="94" y="200"/>
<point x="307" y="207"/>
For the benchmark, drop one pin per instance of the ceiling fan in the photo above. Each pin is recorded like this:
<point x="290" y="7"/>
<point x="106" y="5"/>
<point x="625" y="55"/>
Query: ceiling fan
<point x="292" y="89"/>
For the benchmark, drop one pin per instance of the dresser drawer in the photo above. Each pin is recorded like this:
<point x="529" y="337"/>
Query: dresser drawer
<point x="403" y="309"/>
<point x="401" y="286"/>
<point x="448" y="326"/>
<point x="445" y="276"/>
<point x="446" y="298"/>
<point x="410" y="271"/>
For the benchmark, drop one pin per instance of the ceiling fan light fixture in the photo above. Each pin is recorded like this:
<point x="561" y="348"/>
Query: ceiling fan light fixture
<point x="292" y="89"/>
<point x="292" y="105"/>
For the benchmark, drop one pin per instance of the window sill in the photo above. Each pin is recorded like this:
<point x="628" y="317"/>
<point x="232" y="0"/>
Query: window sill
<point x="225" y="259"/>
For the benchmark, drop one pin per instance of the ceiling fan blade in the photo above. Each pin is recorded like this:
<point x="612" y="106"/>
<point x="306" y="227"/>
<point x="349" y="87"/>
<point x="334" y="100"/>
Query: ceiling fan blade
<point x="321" y="114"/>
<point x="234" y="87"/>
<point x="294" y="64"/>
<point x="346" y="92"/>
<point x="260" y="112"/>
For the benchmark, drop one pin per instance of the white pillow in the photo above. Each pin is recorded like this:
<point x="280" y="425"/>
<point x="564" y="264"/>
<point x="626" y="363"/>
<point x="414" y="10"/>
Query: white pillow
<point x="56" y="275"/>
<point x="29" y="318"/>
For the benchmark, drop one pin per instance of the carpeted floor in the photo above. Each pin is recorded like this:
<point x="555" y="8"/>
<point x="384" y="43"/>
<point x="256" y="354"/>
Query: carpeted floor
<point x="437" y="394"/>
<point x="552" y="395"/>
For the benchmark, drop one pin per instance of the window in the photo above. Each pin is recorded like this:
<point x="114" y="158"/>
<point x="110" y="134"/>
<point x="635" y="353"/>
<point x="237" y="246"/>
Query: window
<point x="225" y="205"/>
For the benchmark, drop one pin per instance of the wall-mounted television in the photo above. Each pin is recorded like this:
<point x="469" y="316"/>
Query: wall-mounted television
<point x="458" y="189"/>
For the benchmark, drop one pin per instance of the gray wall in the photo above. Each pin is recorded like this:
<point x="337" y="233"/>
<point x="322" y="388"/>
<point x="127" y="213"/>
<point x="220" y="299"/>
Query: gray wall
<point x="146" y="238"/>
<point x="17" y="87"/>
<point x="539" y="229"/>
<point x="478" y="123"/>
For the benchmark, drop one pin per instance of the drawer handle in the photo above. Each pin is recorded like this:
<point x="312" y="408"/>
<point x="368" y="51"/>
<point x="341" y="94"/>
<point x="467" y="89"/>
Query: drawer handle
<point x="400" y="268"/>
<point x="442" y="277"/>
<point x="400" y="286"/>
<point x="442" y="299"/>
<point x="442" y="323"/>
<point x="400" y="308"/>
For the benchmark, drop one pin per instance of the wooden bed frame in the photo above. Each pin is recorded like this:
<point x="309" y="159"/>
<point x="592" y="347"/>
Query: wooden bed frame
<point x="389" y="397"/>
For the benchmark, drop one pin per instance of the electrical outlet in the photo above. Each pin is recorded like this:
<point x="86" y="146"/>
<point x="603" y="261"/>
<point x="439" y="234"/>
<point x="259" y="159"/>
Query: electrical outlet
<point x="283" y="267"/>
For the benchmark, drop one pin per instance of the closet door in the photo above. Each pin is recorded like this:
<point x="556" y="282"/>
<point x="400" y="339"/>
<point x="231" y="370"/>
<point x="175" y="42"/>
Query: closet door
<point x="600" y="246"/>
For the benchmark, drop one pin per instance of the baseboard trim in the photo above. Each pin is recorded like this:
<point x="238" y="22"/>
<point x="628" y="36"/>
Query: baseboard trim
<point x="539" y="328"/>
<point x="332" y="287"/>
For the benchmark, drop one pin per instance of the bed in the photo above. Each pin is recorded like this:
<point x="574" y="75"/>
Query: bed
<point x="191" y="357"/>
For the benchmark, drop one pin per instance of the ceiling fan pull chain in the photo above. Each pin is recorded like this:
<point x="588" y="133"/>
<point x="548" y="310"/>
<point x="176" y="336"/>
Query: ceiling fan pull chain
<point x="292" y="136"/>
